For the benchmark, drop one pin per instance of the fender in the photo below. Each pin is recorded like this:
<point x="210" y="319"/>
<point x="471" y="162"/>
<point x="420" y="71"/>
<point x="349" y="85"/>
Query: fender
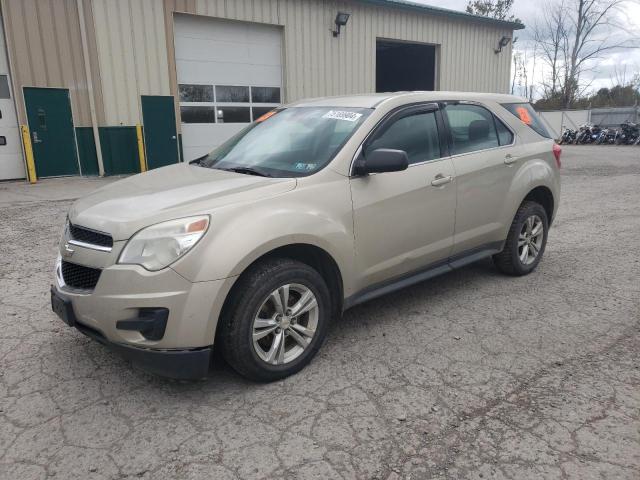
<point x="537" y="172"/>
<point x="240" y="234"/>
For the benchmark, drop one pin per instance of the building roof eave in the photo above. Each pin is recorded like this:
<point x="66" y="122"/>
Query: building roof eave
<point x="429" y="9"/>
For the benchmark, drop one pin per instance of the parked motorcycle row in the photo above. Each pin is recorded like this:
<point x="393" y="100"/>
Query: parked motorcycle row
<point x="626" y="134"/>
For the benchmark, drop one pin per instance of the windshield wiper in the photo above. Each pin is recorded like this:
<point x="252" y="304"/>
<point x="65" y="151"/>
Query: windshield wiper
<point x="246" y="171"/>
<point x="198" y="161"/>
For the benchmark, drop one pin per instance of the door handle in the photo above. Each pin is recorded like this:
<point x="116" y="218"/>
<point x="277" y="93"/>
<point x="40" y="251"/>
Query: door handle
<point x="441" y="180"/>
<point x="509" y="159"/>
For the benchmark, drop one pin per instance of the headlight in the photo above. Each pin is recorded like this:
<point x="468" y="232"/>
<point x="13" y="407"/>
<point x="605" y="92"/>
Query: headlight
<point x="158" y="246"/>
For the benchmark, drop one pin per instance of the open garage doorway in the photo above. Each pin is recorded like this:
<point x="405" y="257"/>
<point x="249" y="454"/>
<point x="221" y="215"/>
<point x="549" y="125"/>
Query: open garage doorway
<point x="404" y="66"/>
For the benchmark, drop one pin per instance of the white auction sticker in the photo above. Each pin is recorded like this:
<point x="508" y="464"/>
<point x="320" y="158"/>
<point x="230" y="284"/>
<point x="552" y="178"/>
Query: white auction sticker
<point x="342" y="115"/>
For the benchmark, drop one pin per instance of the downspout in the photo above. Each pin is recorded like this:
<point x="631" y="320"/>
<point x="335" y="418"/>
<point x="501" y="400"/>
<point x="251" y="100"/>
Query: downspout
<point x="92" y="103"/>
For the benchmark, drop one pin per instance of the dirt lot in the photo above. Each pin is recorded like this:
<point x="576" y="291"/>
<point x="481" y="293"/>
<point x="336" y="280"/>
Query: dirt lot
<point x="471" y="375"/>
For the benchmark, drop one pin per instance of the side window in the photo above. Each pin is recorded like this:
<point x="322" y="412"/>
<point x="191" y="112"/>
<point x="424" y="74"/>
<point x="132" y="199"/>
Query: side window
<point x="416" y="134"/>
<point x="4" y="87"/>
<point x="504" y="134"/>
<point x="472" y="128"/>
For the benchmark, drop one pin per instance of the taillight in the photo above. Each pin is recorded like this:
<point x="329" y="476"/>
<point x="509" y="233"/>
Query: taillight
<point x="557" y="151"/>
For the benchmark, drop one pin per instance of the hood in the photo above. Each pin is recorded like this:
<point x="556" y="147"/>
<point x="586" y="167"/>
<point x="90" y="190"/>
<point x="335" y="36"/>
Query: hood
<point x="124" y="207"/>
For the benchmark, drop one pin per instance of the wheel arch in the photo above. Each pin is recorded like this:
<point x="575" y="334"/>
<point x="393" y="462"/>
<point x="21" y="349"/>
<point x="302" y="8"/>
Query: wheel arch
<point x="312" y="255"/>
<point x="318" y="259"/>
<point x="544" y="196"/>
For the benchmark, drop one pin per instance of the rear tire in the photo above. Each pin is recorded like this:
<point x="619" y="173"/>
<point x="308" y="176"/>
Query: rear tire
<point x="525" y="242"/>
<point x="263" y="336"/>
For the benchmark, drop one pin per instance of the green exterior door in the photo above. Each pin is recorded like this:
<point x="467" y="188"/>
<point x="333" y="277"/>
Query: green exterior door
<point x="52" y="134"/>
<point x="160" y="137"/>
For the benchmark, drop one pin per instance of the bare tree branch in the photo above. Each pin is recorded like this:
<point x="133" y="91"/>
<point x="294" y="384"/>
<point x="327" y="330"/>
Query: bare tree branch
<point x="572" y="34"/>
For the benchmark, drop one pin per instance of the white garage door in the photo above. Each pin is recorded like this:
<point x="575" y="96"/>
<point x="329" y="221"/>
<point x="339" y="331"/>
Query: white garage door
<point x="229" y="74"/>
<point x="11" y="163"/>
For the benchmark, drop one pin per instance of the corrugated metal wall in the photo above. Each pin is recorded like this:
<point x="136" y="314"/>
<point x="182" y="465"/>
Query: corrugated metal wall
<point x="133" y="57"/>
<point x="317" y="64"/>
<point x="130" y="37"/>
<point x="131" y="48"/>
<point x="45" y="50"/>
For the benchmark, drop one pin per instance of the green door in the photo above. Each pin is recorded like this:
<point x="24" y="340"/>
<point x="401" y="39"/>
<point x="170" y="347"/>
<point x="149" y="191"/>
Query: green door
<point x="52" y="135"/>
<point x="160" y="137"/>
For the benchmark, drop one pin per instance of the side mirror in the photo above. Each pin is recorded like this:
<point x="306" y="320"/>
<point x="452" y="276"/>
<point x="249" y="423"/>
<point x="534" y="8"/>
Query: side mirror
<point x="381" y="160"/>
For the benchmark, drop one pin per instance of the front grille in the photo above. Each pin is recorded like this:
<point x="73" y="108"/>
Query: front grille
<point x="77" y="276"/>
<point x="86" y="235"/>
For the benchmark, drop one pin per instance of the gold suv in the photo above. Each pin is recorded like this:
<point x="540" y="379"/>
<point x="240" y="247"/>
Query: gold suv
<point x="315" y="207"/>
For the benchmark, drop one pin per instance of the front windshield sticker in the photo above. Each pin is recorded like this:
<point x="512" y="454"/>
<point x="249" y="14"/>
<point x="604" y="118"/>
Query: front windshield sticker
<point x="342" y="115"/>
<point x="305" y="166"/>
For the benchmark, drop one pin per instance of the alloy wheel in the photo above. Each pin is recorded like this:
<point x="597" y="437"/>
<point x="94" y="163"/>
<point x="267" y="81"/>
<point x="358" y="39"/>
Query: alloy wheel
<point x="530" y="239"/>
<point x="285" y="324"/>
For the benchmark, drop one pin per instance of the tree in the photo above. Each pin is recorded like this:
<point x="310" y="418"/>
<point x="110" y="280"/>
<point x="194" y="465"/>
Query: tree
<point x="587" y="40"/>
<point x="550" y="37"/>
<point x="572" y="35"/>
<point x="500" y="9"/>
<point x="619" y="95"/>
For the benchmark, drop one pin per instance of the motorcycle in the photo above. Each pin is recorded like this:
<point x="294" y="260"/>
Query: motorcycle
<point x="607" y="136"/>
<point x="594" y="134"/>
<point x="587" y="133"/>
<point x="628" y="134"/>
<point x="568" y="136"/>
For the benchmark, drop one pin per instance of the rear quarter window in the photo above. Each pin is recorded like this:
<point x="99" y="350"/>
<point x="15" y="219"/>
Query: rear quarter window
<point x="527" y="115"/>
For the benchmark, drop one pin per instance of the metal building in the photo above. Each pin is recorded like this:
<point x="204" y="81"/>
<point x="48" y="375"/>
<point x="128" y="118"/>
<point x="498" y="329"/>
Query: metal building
<point x="80" y="75"/>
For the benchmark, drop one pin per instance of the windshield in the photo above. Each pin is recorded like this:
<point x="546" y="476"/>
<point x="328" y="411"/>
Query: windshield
<point x="292" y="142"/>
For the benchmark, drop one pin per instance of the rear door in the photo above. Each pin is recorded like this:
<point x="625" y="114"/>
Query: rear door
<point x="483" y="155"/>
<point x="404" y="221"/>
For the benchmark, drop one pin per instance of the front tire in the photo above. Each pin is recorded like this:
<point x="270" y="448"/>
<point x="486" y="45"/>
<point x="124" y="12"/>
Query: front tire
<point x="276" y="321"/>
<point x="526" y="241"/>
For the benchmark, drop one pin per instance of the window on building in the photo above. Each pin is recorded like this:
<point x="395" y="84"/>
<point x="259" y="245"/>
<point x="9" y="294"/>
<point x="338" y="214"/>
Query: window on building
<point x="233" y="115"/>
<point x="190" y="114"/>
<point x="416" y="134"/>
<point x="226" y="103"/>
<point x="195" y="93"/>
<point x="472" y="128"/>
<point x="235" y="94"/>
<point x="4" y="87"/>
<point x="265" y="95"/>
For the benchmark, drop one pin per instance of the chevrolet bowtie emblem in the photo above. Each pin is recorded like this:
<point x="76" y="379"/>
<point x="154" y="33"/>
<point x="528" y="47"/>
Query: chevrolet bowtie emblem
<point x="67" y="251"/>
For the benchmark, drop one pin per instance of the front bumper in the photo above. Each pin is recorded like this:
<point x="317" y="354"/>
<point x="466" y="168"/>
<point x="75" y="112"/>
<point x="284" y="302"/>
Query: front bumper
<point x="179" y="364"/>
<point x="127" y="296"/>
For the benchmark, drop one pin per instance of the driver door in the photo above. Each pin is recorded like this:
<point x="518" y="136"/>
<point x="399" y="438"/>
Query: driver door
<point x="404" y="221"/>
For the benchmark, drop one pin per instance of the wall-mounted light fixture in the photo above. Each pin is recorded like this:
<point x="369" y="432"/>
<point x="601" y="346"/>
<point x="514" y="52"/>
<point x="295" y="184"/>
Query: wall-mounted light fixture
<point x="503" y="42"/>
<point x="341" y="20"/>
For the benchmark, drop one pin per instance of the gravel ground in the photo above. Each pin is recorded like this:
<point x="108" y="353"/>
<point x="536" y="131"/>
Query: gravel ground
<point x="471" y="375"/>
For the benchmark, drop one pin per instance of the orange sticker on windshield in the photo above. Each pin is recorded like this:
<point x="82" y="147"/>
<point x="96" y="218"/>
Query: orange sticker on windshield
<point x="266" y="115"/>
<point x="523" y="114"/>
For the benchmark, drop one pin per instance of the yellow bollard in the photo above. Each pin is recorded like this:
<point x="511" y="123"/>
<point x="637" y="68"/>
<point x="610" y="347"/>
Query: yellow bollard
<point x="28" y="153"/>
<point x="141" y="156"/>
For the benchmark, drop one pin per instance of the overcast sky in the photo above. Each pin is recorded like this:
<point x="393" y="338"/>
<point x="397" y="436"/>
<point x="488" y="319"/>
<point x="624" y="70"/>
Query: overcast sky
<point x="602" y="71"/>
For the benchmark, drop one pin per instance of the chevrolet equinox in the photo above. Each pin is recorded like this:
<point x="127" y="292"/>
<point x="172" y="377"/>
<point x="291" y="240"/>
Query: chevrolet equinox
<point x="315" y="207"/>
